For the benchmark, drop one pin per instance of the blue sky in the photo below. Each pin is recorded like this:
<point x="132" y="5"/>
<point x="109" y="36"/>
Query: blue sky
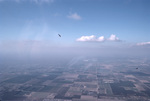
<point x="76" y="20"/>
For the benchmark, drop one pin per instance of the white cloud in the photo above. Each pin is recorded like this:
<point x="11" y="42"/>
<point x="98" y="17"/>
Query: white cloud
<point x="143" y="43"/>
<point x="91" y="38"/>
<point x="87" y="38"/>
<point x="74" y="16"/>
<point x="113" y="38"/>
<point x="99" y="39"/>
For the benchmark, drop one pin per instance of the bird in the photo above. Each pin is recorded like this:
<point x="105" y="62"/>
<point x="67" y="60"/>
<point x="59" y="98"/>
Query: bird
<point x="59" y="35"/>
<point x="136" y="68"/>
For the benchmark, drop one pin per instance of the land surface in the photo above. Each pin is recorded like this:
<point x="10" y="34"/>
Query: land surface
<point x="80" y="79"/>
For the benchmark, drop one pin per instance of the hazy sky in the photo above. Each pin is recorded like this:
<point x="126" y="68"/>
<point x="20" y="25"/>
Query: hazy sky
<point x="78" y="21"/>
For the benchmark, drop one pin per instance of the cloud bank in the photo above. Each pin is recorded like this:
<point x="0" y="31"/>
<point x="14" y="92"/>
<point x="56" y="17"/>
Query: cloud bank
<point x="143" y="43"/>
<point x="99" y="39"/>
<point x="74" y="16"/>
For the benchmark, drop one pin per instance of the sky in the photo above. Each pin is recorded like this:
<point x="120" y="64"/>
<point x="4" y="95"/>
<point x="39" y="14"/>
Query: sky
<point x="84" y="23"/>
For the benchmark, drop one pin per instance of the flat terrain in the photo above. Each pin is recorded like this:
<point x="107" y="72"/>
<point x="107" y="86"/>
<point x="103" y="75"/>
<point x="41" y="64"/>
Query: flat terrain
<point x="80" y="79"/>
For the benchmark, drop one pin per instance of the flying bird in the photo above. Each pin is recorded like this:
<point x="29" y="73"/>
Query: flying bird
<point x="59" y="35"/>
